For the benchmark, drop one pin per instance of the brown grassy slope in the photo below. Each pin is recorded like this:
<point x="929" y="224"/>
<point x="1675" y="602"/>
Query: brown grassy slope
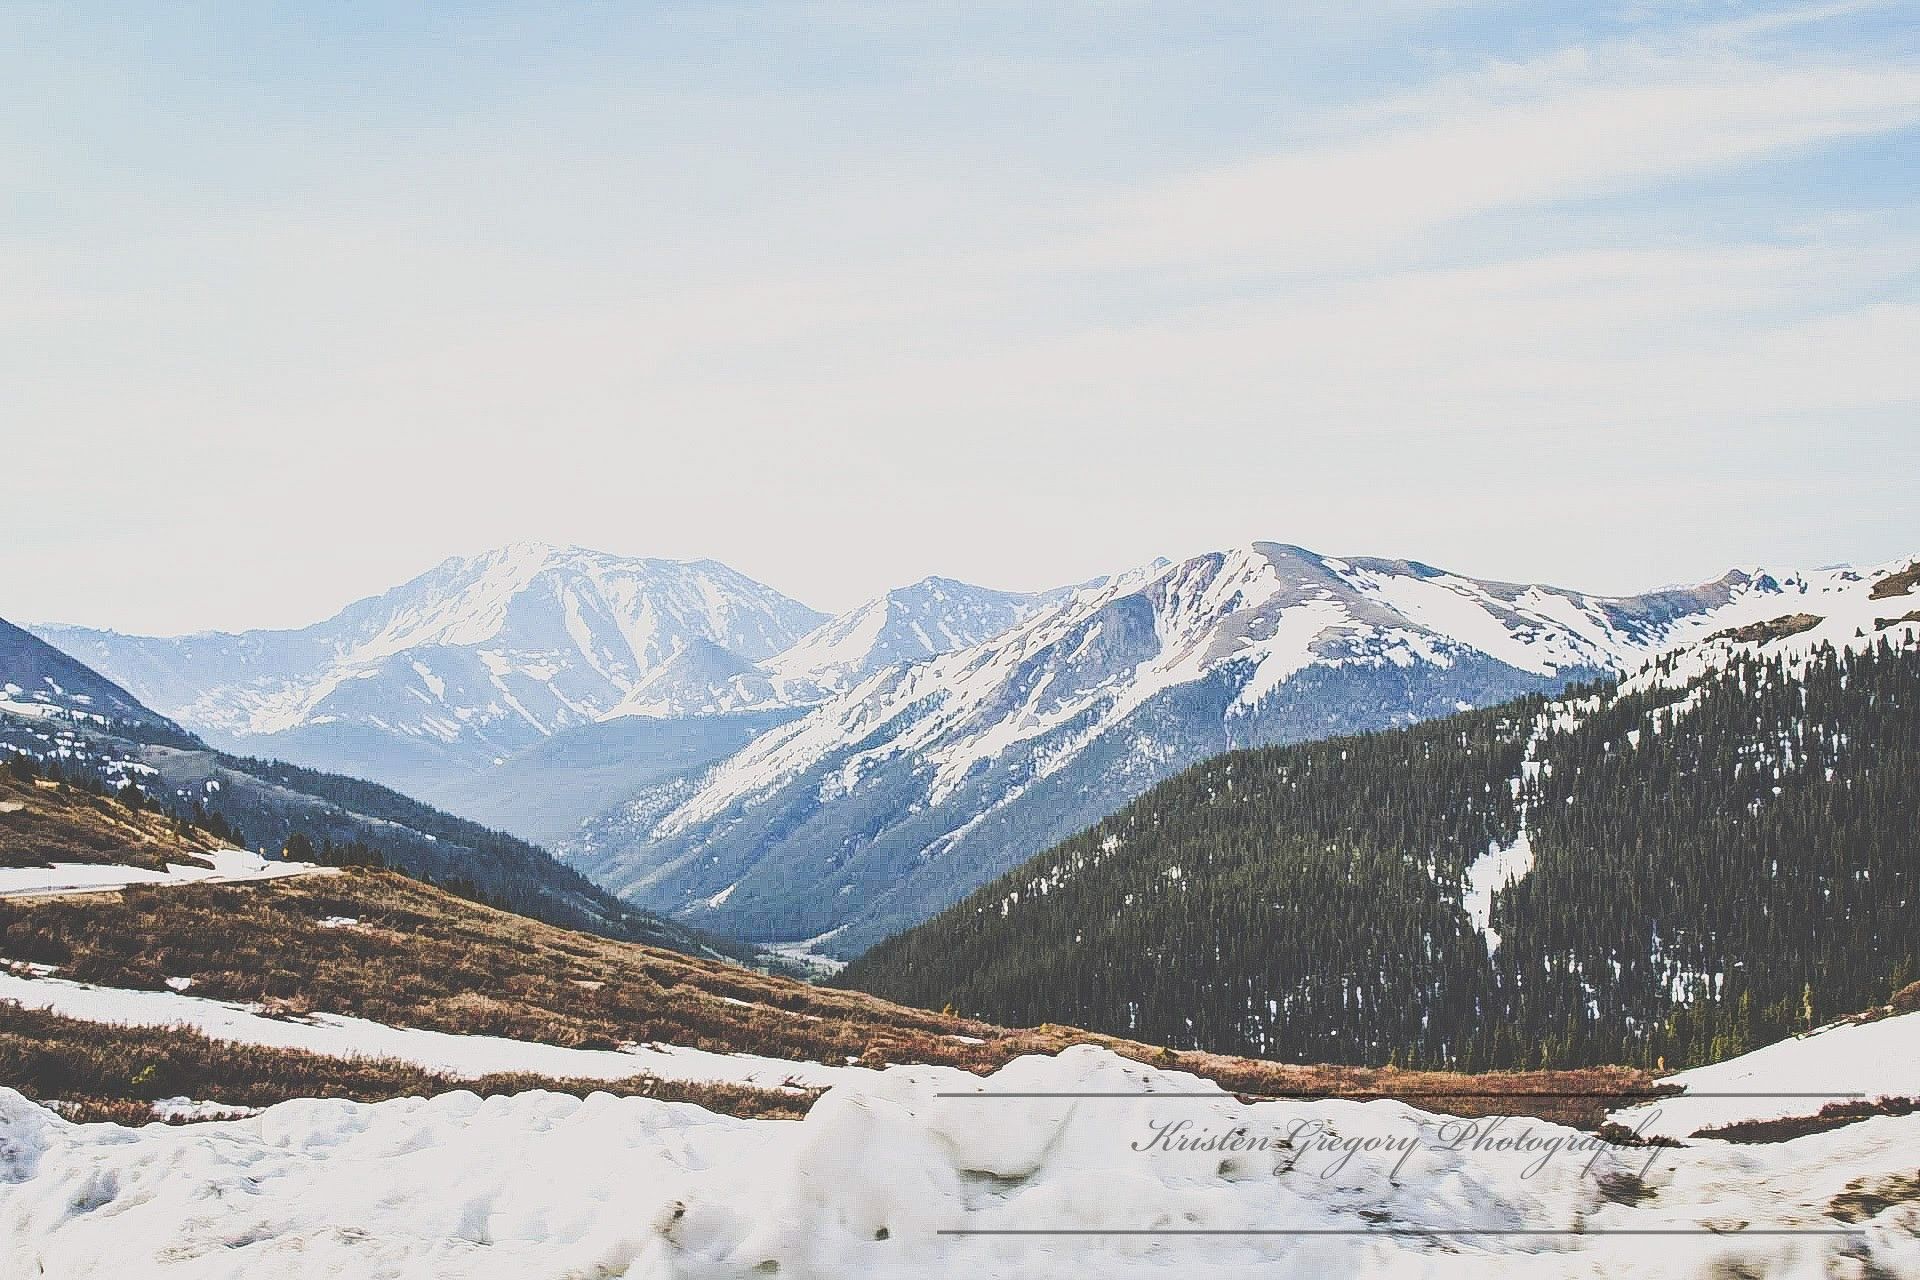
<point x="416" y="956"/>
<point x="1773" y="629"/>
<point x="1896" y="584"/>
<point x="43" y="822"/>
<point x="117" y="1073"/>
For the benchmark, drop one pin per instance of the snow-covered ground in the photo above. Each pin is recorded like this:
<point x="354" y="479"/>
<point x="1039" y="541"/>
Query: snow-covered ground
<point x="464" y="1057"/>
<point x="886" y="1177"/>
<point x="228" y="865"/>
<point x="1844" y="616"/>
<point x="1871" y="1060"/>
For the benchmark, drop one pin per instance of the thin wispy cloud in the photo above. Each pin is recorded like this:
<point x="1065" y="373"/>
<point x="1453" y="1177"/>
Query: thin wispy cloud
<point x="1787" y="19"/>
<point x="1594" y="131"/>
<point x="1157" y="279"/>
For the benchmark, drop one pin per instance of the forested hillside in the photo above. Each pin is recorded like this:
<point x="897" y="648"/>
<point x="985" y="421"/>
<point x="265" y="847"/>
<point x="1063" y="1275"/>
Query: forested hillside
<point x="1699" y="865"/>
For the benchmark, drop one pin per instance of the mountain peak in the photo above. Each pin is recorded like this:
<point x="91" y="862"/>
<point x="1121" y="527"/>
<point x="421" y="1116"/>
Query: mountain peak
<point x="906" y="624"/>
<point x="965" y="760"/>
<point x="472" y="660"/>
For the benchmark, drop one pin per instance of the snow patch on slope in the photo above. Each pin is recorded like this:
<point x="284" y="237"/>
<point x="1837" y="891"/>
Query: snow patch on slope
<point x="1498" y="868"/>
<point x="464" y="1057"/>
<point x="1871" y="1060"/>
<point x="228" y="866"/>
<point x="1848" y="620"/>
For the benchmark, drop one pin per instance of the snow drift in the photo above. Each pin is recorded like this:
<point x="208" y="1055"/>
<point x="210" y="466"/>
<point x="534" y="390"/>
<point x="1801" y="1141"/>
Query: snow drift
<point x="887" y="1168"/>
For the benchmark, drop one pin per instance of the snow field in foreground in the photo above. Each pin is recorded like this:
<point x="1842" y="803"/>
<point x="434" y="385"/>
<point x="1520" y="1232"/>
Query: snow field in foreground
<point x="543" y="1185"/>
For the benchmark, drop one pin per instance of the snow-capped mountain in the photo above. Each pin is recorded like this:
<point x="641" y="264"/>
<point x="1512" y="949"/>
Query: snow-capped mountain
<point x="706" y="701"/>
<point x="436" y="684"/>
<point x="701" y="678"/>
<point x="924" y="780"/>
<point x="907" y="624"/>
<point x="933" y="616"/>
<point x="1731" y="824"/>
<point x="465" y="664"/>
<point x="1844" y="609"/>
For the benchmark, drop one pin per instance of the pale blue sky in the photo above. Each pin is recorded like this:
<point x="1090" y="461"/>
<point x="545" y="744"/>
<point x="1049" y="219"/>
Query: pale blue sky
<point x="300" y="299"/>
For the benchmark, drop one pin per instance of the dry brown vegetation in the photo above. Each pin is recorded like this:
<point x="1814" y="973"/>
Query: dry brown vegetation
<point x="1772" y="629"/>
<point x="117" y="1073"/>
<point x="417" y="956"/>
<point x="62" y="822"/>
<point x="1896" y="584"/>
<point x="1834" y="1115"/>
<point x="1866" y="1198"/>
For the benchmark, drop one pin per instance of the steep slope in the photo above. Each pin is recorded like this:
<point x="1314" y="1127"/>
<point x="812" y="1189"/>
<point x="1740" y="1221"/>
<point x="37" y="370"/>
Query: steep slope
<point x="45" y="824"/>
<point x="468" y="663"/>
<point x="1716" y="852"/>
<point x="262" y="803"/>
<point x="925" y="780"/>
<point x="907" y="624"/>
<point x="386" y="967"/>
<point x="38" y="681"/>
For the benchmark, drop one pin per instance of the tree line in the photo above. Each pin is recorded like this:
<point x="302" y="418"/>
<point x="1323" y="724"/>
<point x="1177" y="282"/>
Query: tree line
<point x="1712" y="869"/>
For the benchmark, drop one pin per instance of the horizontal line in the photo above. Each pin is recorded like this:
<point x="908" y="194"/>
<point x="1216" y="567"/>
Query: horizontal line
<point x="1388" y="1094"/>
<point x="1394" y="1231"/>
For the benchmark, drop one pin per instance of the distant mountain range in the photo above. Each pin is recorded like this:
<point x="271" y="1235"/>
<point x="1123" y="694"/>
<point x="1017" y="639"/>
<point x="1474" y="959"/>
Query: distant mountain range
<point x="460" y="668"/>
<point x="891" y="800"/>
<point x="1715" y="852"/>
<point x="61" y="713"/>
<point x="714" y="750"/>
<point x="483" y="669"/>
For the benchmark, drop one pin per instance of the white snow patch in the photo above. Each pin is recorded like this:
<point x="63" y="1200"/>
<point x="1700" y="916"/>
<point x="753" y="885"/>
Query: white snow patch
<point x="433" y="682"/>
<point x="229" y="866"/>
<point x="1500" y="866"/>
<point x="465" y="1057"/>
<point x="1872" y="1059"/>
<point x="544" y="1185"/>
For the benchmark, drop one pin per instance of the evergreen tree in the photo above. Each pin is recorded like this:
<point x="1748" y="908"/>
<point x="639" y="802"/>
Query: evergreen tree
<point x="1704" y="862"/>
